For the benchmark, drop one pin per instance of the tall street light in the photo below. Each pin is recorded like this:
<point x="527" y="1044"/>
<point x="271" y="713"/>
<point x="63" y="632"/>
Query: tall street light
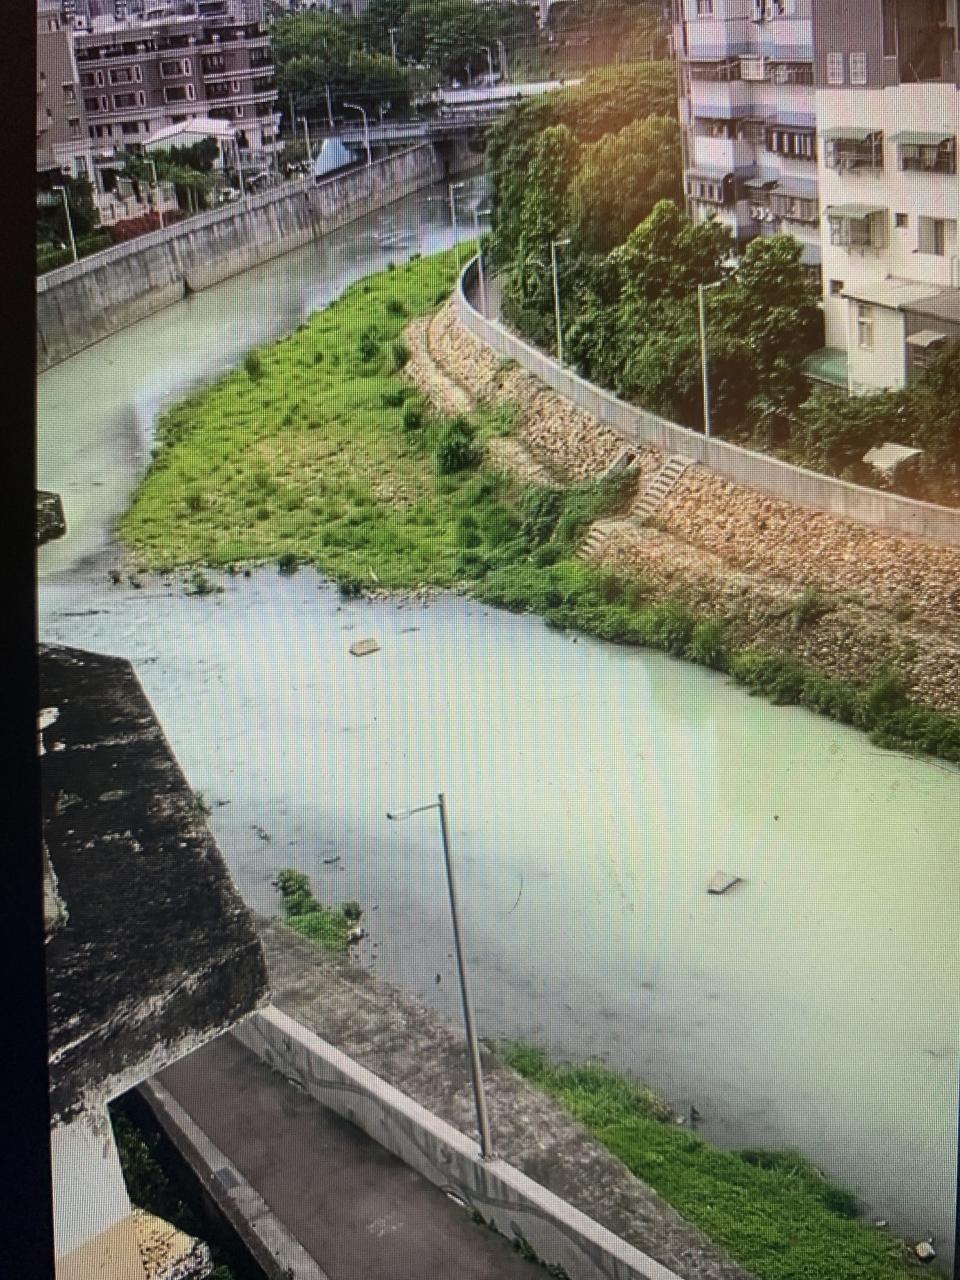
<point x="504" y="69"/>
<point x="392" y="32"/>
<point x="66" y="210"/>
<point x="480" y="269"/>
<point x="704" y="358"/>
<point x="451" y="188"/>
<point x="306" y="134"/>
<point x="554" y="246"/>
<point x="352" y="106"/>
<point x="156" y="188"/>
<point x="476" y="1071"/>
<point x="489" y="54"/>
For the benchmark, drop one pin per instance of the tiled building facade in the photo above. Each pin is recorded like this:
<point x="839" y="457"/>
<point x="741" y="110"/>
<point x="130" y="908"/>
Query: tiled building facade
<point x="144" y="65"/>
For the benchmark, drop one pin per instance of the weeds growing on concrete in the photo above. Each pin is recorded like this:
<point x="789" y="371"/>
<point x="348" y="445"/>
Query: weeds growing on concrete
<point x="774" y="1212"/>
<point x="329" y="928"/>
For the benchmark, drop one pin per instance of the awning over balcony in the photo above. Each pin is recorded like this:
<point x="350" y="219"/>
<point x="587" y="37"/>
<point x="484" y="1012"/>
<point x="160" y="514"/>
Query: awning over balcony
<point x="709" y="173"/>
<point x="853" y="212"/>
<point x="848" y="133"/>
<point x="760" y="185"/>
<point x="926" y="338"/>
<point x="801" y="188"/>
<point x="919" y="138"/>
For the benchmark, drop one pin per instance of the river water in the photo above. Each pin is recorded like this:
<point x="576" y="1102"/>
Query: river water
<point x="593" y="790"/>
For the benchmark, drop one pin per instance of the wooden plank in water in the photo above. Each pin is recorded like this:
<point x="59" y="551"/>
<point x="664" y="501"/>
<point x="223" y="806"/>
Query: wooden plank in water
<point x="721" y="881"/>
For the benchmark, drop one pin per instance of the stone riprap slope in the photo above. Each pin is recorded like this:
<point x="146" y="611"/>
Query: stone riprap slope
<point x="731" y="551"/>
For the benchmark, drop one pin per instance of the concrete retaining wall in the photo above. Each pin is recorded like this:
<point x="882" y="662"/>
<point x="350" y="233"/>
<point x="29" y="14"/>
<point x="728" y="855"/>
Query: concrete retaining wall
<point x="755" y="470"/>
<point x="517" y="1206"/>
<point x="79" y="304"/>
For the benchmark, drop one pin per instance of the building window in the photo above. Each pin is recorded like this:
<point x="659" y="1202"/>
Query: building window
<point x="130" y="126"/>
<point x="864" y="326"/>
<point x="92" y="104"/>
<point x="69" y="93"/>
<point x="929" y="157"/>
<point x="794" y="208"/>
<point x="858" y="68"/>
<point x="176" y="94"/>
<point x="836" y="288"/>
<point x="901" y="220"/>
<point x="855" y="230"/>
<point x="933" y="236"/>
<point x="123" y="100"/>
<point x="835" y="68"/>
<point x="858" y="150"/>
<point x="704" y="8"/>
<point x="798" y="143"/>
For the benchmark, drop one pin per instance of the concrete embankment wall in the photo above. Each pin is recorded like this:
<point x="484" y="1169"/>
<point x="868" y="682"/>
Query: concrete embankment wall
<point x="741" y="466"/>
<point x="79" y="304"/>
<point x="517" y="1206"/>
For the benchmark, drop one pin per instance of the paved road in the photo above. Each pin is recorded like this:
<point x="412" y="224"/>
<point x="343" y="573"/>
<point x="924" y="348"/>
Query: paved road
<point x="355" y="1208"/>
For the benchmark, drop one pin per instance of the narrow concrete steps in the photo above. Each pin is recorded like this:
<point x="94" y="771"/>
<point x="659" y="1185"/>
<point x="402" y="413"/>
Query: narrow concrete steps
<point x="653" y="495"/>
<point x="597" y="535"/>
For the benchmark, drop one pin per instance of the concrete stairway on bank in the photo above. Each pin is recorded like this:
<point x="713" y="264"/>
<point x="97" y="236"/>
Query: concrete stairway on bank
<point x="652" y="497"/>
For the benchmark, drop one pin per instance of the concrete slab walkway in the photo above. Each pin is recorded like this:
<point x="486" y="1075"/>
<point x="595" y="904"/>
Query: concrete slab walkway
<point x="356" y="1209"/>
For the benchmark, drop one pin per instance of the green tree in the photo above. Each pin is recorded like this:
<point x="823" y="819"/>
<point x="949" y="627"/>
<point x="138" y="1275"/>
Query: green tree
<point x="621" y="177"/>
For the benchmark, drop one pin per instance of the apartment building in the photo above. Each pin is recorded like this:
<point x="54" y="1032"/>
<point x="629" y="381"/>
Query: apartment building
<point x="888" y="113"/>
<point x="63" y="138"/>
<point x="147" y="64"/>
<point x="748" y="113"/>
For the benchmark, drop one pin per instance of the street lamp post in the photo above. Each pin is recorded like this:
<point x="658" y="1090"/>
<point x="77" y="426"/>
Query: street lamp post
<point x="704" y="358"/>
<point x="306" y="134"/>
<point x="504" y="68"/>
<point x="66" y="210"/>
<point x="480" y="270"/>
<point x="476" y="1070"/>
<point x="554" y="245"/>
<point x="392" y="32"/>
<point x="243" y="185"/>
<point x="455" y="186"/>
<point x="156" y="188"/>
<point x="489" y="54"/>
<point x="366" y="128"/>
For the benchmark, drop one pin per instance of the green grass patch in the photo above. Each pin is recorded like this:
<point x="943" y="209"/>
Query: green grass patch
<point x="774" y="1212"/>
<point x="316" y="452"/>
<point x="328" y="927"/>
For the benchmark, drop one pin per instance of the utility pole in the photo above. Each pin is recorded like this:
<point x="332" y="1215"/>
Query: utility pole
<point x="326" y="90"/>
<point x="66" y="210"/>
<point x="392" y="31"/>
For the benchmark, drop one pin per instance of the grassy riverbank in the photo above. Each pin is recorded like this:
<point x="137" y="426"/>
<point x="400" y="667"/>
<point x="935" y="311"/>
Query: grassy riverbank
<point x="318" y="451"/>
<point x="774" y="1212"/>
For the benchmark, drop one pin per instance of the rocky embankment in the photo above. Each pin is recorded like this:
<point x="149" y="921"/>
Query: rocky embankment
<point x="840" y="596"/>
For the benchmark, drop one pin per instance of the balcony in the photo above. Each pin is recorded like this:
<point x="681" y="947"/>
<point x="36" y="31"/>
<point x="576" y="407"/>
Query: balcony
<point x="857" y="226"/>
<point x="926" y="152"/>
<point x="853" y="148"/>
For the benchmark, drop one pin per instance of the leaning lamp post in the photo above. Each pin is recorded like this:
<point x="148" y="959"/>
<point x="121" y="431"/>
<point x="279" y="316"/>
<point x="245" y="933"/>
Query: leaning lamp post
<point x="554" y="246"/>
<point x="477" y="214"/>
<point x="476" y="1071"/>
<point x="452" y="187"/>
<point x="704" y="358"/>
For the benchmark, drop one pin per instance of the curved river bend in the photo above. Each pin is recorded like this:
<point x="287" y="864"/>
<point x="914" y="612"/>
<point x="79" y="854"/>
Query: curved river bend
<point x="593" y="790"/>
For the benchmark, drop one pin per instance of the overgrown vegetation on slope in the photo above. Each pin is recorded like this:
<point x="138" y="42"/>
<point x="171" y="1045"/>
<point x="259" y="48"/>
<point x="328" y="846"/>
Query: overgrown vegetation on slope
<point x="774" y="1212"/>
<point x="329" y="927"/>
<point x="317" y="451"/>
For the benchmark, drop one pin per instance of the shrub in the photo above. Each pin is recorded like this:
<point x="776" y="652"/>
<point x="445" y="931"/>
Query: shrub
<point x="287" y="562"/>
<point x="456" y="447"/>
<point x="707" y="645"/>
<point x="394" y="306"/>
<point x="412" y="417"/>
<point x="368" y="344"/>
<point x="394" y="397"/>
<point x="885" y="695"/>
<point x="400" y="354"/>
<point x="777" y="678"/>
<point x="253" y="365"/>
<point x="667" y="626"/>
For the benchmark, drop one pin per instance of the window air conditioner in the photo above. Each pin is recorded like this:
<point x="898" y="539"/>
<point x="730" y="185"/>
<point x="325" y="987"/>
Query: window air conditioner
<point x="757" y="8"/>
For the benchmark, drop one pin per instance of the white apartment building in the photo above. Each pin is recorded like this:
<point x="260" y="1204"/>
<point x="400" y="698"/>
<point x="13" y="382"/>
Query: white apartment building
<point x="747" y="109"/>
<point x="836" y="123"/>
<point x="888" y="114"/>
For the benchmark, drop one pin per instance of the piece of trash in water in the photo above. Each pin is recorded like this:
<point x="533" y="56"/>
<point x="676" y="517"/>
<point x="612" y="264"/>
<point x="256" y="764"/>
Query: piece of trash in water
<point x="721" y="881"/>
<point x="360" y="648"/>
<point x="328" y="862"/>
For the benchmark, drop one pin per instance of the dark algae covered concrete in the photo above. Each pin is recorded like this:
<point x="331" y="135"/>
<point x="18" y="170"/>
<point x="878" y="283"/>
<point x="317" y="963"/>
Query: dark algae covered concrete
<point x="155" y="952"/>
